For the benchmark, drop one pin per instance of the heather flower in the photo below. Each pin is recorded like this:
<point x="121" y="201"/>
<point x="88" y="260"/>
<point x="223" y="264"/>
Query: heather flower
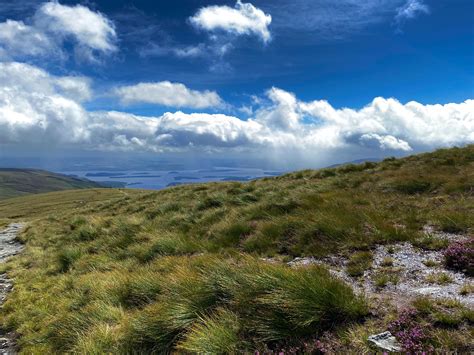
<point x="460" y="256"/>
<point x="408" y="332"/>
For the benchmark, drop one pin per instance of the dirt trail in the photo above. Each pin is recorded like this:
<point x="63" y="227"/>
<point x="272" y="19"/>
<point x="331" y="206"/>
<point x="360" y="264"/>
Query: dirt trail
<point x="9" y="246"/>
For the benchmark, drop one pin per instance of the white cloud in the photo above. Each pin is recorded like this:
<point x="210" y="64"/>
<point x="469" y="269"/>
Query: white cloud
<point x="19" y="39"/>
<point x="41" y="110"/>
<point x="243" y="19"/>
<point x="410" y="10"/>
<point x="24" y="78"/>
<point x="90" y="29"/>
<point x="35" y="111"/>
<point x="78" y="88"/>
<point x="386" y="142"/>
<point x="168" y="94"/>
<point x="51" y="26"/>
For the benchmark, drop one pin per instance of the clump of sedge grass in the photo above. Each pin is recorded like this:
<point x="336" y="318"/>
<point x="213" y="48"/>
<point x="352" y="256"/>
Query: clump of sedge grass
<point x="466" y="289"/>
<point x="387" y="262"/>
<point x="428" y="242"/>
<point x="430" y="263"/>
<point x="440" y="279"/>
<point x="67" y="257"/>
<point x="274" y="302"/>
<point x="454" y="221"/>
<point x="213" y="334"/>
<point x="359" y="262"/>
<point x="381" y="281"/>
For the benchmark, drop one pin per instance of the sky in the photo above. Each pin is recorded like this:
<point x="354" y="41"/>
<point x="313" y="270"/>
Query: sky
<point x="291" y="84"/>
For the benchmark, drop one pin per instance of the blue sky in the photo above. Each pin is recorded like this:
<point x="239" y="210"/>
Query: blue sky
<point x="310" y="80"/>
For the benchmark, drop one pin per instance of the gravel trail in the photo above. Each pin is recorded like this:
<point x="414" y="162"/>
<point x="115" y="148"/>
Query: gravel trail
<point x="9" y="246"/>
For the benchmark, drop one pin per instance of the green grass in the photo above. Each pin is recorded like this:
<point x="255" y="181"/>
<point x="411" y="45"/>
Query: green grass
<point x="110" y="270"/>
<point x="443" y="314"/>
<point x="387" y="262"/>
<point x="19" y="182"/>
<point x="440" y="279"/>
<point x="382" y="278"/>
<point x="429" y="242"/>
<point x="430" y="263"/>
<point x="214" y="334"/>
<point x="358" y="263"/>
<point x="467" y="289"/>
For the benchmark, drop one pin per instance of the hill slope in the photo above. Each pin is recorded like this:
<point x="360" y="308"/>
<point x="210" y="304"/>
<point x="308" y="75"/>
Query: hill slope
<point x="18" y="182"/>
<point x="203" y="268"/>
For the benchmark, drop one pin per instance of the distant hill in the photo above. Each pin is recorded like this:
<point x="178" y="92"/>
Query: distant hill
<point x="19" y="182"/>
<point x="358" y="161"/>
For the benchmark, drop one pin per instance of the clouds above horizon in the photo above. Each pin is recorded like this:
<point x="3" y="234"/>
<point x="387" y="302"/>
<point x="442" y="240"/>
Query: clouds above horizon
<point x="167" y="94"/>
<point x="91" y="33"/>
<point x="234" y="62"/>
<point x="41" y="110"/>
<point x="243" y="19"/>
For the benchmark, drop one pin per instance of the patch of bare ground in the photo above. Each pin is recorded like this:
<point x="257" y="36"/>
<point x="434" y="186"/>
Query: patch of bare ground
<point x="9" y="246"/>
<point x="401" y="272"/>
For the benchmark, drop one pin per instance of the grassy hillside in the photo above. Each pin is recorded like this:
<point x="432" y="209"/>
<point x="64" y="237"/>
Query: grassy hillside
<point x="19" y="182"/>
<point x="188" y="269"/>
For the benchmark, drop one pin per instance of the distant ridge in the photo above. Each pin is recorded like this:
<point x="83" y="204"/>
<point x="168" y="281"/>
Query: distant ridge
<point x="19" y="182"/>
<point x="357" y="161"/>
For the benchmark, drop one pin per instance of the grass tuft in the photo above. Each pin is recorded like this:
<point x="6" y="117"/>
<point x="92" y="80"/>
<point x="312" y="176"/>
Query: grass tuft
<point x="215" y="334"/>
<point x="358" y="263"/>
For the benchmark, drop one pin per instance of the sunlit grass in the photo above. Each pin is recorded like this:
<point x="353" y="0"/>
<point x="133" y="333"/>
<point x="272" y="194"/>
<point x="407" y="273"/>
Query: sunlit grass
<point x="181" y="269"/>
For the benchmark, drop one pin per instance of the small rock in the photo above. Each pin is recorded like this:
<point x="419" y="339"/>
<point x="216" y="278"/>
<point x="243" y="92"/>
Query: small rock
<point x="385" y="341"/>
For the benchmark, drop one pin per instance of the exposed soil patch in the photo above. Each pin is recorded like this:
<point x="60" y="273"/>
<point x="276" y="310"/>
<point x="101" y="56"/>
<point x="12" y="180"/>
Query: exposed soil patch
<point x="415" y="272"/>
<point x="9" y="246"/>
<point x="402" y="272"/>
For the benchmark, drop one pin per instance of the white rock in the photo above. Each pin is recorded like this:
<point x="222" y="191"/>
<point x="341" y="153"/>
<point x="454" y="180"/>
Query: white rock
<point x="385" y="341"/>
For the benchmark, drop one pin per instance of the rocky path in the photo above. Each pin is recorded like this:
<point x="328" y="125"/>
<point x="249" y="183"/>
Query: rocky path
<point x="9" y="246"/>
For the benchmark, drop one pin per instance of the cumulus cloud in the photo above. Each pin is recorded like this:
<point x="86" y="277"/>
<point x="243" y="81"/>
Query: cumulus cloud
<point x="19" y="39"/>
<point x="35" y="110"/>
<point x="41" y="110"/>
<point x="90" y="29"/>
<point x="51" y="26"/>
<point x="243" y="19"/>
<point x="386" y="142"/>
<point x="23" y="78"/>
<point x="168" y="94"/>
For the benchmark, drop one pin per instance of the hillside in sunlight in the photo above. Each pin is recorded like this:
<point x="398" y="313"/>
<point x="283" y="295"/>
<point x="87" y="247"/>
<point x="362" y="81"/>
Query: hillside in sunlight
<point x="19" y="182"/>
<point x="206" y="268"/>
